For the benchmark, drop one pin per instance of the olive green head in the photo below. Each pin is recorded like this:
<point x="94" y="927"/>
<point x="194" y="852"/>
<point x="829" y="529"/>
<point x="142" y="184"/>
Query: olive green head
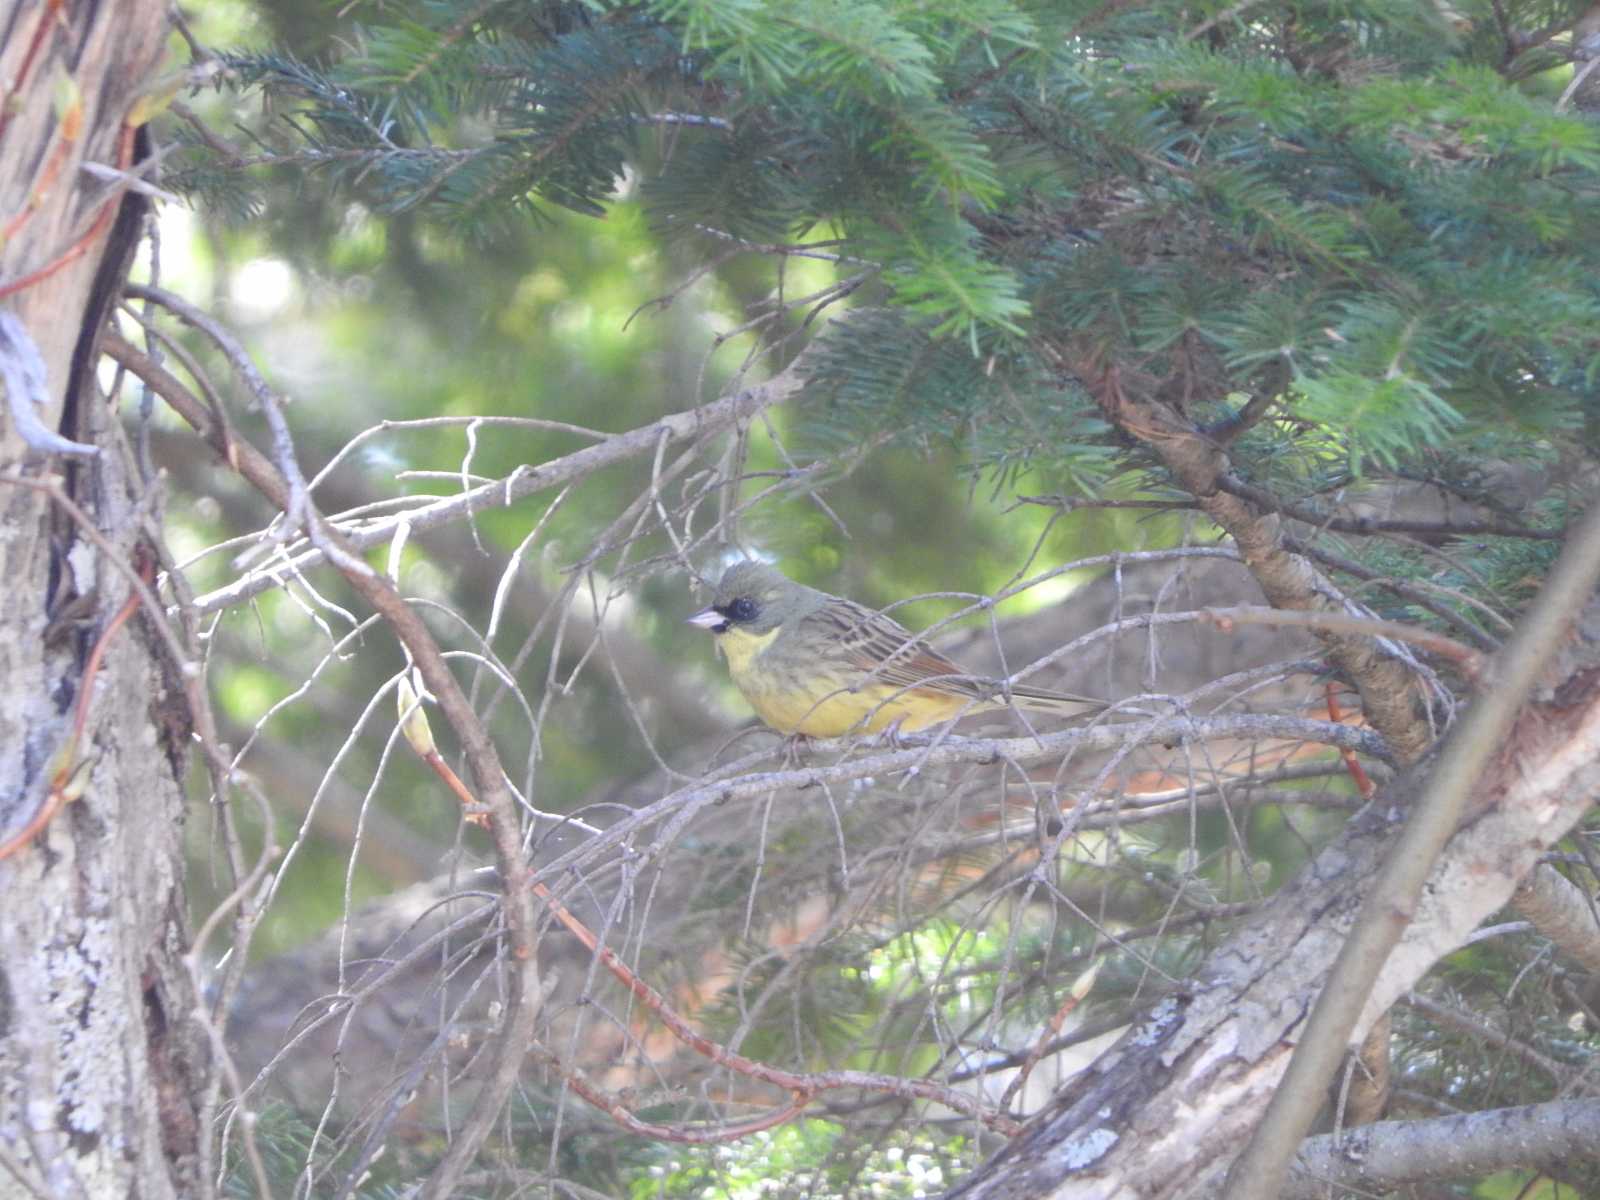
<point x="754" y="598"/>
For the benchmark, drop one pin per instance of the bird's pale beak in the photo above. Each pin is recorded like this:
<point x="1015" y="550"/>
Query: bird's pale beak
<point x="707" y="618"/>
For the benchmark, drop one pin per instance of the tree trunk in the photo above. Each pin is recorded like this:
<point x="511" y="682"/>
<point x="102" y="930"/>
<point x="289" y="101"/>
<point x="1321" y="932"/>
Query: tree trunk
<point x="101" y="1065"/>
<point x="1163" y="1112"/>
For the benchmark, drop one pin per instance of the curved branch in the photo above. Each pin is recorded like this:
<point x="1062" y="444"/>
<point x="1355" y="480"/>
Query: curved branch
<point x="1373" y="525"/>
<point x="1387" y="1156"/>
<point x="740" y="781"/>
<point x="1469" y="661"/>
<point x="1563" y="912"/>
<point x="1201" y="467"/>
<point x="522" y="1000"/>
<point x="690" y="425"/>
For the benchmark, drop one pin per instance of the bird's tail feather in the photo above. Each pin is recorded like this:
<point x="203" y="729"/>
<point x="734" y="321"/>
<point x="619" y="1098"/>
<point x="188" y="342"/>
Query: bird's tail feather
<point x="1044" y="700"/>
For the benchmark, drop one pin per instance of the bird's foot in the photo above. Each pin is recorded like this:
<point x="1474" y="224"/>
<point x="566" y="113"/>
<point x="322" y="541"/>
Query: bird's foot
<point x="891" y="735"/>
<point x="795" y="747"/>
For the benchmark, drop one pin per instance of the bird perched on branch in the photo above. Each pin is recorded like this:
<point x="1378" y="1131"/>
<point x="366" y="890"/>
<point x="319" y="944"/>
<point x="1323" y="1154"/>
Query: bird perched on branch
<point x="821" y="665"/>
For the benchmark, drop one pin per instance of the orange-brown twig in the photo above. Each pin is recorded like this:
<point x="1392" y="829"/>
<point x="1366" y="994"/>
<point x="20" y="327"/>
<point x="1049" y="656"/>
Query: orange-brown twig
<point x="1468" y="661"/>
<point x="694" y="1135"/>
<point x="101" y="222"/>
<point x="802" y="1088"/>
<point x="1352" y="764"/>
<point x="419" y="736"/>
<point x="1075" y="996"/>
<point x="463" y="793"/>
<point x="796" y="1083"/>
<point x="55" y="800"/>
<point x="71" y="130"/>
<point x="51" y="13"/>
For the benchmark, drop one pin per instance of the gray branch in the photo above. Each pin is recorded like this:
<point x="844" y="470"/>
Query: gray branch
<point x="1387" y="1156"/>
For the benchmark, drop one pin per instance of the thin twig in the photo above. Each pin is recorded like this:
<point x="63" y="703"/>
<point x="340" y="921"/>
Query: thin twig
<point x="690" y="425"/>
<point x="1470" y="662"/>
<point x="1048" y="1036"/>
<point x="1577" y="81"/>
<point x="801" y="1085"/>
<point x="1227" y="14"/>
<point x="1481" y="1031"/>
<point x="300" y="513"/>
<point x="1406" y="589"/>
<point x="1374" y="525"/>
<point x="1358" y="773"/>
<point x="523" y="994"/>
<point x="66" y="781"/>
<point x="98" y="224"/>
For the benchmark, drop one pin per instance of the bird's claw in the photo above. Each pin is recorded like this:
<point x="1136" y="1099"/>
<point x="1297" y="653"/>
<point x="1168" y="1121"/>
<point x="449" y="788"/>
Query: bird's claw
<point x="794" y="746"/>
<point x="891" y="736"/>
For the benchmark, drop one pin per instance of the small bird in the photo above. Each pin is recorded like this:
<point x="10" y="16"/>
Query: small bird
<point x="822" y="666"/>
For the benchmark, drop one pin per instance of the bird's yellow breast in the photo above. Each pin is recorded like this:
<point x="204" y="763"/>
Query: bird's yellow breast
<point x="815" y="698"/>
<point x="741" y="648"/>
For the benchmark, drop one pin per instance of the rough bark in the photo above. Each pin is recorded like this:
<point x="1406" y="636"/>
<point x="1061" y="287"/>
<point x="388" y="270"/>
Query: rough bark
<point x="99" y="1061"/>
<point x="1163" y="1112"/>
<point x="1559" y="909"/>
<point x="1562" y="1138"/>
<point x="1390" y="698"/>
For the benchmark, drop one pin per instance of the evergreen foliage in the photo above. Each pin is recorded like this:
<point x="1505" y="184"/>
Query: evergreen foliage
<point x="1350" y="208"/>
<point x="1368" y="213"/>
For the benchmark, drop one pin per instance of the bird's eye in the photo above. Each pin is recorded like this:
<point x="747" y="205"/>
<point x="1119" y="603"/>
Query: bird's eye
<point x="742" y="609"/>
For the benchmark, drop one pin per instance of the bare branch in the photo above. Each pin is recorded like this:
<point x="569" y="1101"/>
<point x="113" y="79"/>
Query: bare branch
<point x="1483" y="1031"/>
<point x="1469" y="661"/>
<point x="516" y="1031"/>
<point x="1563" y="912"/>
<point x="1385" y="680"/>
<point x="1375" y="525"/>
<point x="1387" y="1156"/>
<point x="691" y="425"/>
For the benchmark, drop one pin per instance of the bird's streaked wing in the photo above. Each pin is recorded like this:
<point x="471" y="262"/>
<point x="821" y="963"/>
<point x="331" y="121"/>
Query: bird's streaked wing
<point x="890" y="653"/>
